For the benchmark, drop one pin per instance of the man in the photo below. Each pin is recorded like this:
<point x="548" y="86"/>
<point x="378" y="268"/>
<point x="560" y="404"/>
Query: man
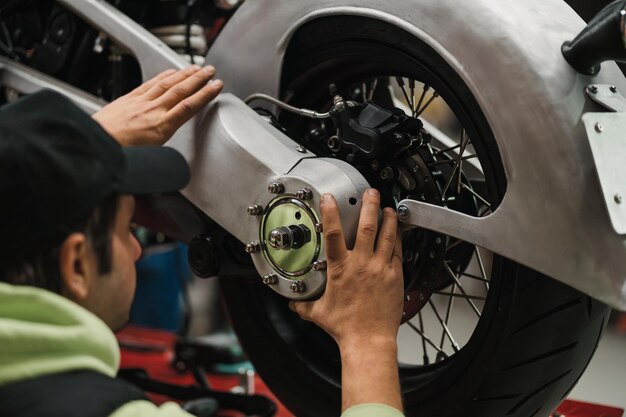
<point x="68" y="255"/>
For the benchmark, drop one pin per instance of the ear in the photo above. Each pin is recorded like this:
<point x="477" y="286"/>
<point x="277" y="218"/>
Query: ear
<point x="76" y="267"/>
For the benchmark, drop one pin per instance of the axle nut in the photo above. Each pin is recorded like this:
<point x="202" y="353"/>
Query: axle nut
<point x="297" y="287"/>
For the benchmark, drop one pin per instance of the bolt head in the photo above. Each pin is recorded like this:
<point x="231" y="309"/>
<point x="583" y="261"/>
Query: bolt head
<point x="386" y="174"/>
<point x="613" y="89"/>
<point x="599" y="128"/>
<point x="403" y="212"/>
<point x="270" y="279"/>
<point x="301" y="149"/>
<point x="319" y="228"/>
<point x="304" y="194"/>
<point x="297" y="287"/>
<point x="319" y="265"/>
<point x="253" y="247"/>
<point x="593" y="89"/>
<point x="618" y="198"/>
<point x="276" y="188"/>
<point x="255" y="210"/>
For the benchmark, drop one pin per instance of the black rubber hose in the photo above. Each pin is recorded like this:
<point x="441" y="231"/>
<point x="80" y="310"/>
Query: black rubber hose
<point x="602" y="40"/>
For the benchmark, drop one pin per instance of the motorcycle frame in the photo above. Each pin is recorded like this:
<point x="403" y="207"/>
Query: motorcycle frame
<point x="553" y="216"/>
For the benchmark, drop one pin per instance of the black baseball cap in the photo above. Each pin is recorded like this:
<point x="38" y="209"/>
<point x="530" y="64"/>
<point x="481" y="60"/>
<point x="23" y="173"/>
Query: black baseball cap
<point x="57" y="164"/>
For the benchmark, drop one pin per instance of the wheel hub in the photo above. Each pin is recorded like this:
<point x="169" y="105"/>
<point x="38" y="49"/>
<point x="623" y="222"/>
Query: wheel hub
<point x="289" y="239"/>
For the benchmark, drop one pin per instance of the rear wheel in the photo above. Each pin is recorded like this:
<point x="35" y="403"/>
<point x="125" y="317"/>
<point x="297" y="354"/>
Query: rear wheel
<point x="522" y="340"/>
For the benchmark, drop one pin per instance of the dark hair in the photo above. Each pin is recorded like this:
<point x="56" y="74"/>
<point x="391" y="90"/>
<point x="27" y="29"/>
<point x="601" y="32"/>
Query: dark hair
<point x="43" y="270"/>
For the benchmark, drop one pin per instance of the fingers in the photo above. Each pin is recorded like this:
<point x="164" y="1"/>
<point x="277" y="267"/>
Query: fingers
<point x="396" y="261"/>
<point x="334" y="241"/>
<point x="167" y="83"/>
<point x="302" y="308"/>
<point x="387" y="237"/>
<point x="152" y="82"/>
<point x="187" y="108"/>
<point x="368" y="222"/>
<point x="187" y="87"/>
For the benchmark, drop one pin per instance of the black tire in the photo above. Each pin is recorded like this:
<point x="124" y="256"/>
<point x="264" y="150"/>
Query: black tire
<point x="536" y="336"/>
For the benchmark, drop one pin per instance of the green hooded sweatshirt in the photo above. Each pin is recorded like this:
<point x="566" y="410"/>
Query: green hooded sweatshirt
<point x="42" y="333"/>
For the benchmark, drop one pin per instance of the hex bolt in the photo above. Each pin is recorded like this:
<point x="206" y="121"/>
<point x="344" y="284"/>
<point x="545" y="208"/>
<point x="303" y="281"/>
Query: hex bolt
<point x="276" y="188"/>
<point x="253" y="247"/>
<point x="319" y="228"/>
<point x="593" y="89"/>
<point x="599" y="128"/>
<point x="297" y="287"/>
<point x="386" y="174"/>
<point x="255" y="210"/>
<point x="618" y="198"/>
<point x="403" y="212"/>
<point x="301" y="149"/>
<point x="304" y="194"/>
<point x="270" y="279"/>
<point x="319" y="265"/>
<point x="613" y="89"/>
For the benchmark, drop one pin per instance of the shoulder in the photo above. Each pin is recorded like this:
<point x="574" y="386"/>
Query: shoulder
<point x="143" y="408"/>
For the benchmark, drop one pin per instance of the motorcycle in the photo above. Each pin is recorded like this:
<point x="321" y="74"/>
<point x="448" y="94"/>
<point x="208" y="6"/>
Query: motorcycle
<point x="511" y="203"/>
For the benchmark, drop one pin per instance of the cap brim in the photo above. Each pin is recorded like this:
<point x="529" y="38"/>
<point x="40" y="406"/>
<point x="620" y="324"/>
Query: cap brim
<point x="151" y="170"/>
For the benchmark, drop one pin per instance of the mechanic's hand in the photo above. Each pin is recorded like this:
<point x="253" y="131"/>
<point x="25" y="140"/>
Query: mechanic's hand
<point x="151" y="113"/>
<point x="363" y="300"/>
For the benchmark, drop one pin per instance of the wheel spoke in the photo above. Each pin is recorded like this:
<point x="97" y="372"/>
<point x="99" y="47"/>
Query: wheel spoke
<point x="450" y="161"/>
<point x="447" y="150"/>
<point x="448" y="312"/>
<point x="426" y="339"/>
<point x="455" y="345"/>
<point x="412" y="94"/>
<point x="409" y="102"/>
<point x="428" y="103"/>
<point x="454" y="245"/>
<point x="465" y="274"/>
<point x="423" y="96"/>
<point x="478" y="196"/>
<point x="469" y="297"/>
<point x="456" y="280"/>
<point x="481" y="265"/>
<point x="425" y="357"/>
<point x="464" y="141"/>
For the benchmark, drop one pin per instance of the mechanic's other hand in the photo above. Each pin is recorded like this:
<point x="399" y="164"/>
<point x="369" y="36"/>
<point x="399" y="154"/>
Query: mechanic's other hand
<point x="363" y="300"/>
<point x="151" y="113"/>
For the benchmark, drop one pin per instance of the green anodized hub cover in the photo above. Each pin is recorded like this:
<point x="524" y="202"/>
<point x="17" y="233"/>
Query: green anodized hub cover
<point x="285" y="212"/>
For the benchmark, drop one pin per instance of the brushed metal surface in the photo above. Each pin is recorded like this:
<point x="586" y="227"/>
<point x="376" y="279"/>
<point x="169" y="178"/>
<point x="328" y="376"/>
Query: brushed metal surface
<point x="235" y="154"/>
<point x="606" y="133"/>
<point x="553" y="217"/>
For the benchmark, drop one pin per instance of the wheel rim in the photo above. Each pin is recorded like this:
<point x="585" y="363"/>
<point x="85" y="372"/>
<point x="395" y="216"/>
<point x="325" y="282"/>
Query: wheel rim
<point x="313" y="347"/>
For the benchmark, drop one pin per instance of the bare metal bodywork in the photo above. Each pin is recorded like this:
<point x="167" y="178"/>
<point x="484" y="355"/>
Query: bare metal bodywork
<point x="553" y="217"/>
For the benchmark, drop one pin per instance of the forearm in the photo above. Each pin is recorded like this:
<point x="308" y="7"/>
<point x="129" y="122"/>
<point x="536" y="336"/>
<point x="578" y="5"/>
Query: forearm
<point x="370" y="373"/>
